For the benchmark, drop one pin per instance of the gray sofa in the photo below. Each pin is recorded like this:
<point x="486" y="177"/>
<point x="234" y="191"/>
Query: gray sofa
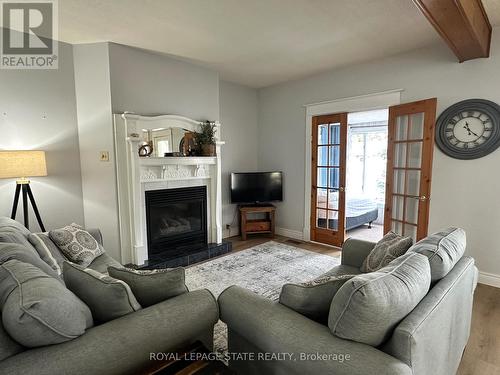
<point x="120" y="346"/>
<point x="429" y="340"/>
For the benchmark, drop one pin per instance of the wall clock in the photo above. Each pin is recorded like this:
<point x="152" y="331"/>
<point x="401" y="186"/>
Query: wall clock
<point x="469" y="129"/>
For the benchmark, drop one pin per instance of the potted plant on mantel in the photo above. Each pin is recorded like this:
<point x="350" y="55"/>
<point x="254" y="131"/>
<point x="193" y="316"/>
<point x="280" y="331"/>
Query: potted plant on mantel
<point x="205" y="139"/>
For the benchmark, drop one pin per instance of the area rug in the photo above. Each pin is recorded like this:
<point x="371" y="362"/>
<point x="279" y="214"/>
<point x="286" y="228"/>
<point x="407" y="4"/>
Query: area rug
<point x="262" y="269"/>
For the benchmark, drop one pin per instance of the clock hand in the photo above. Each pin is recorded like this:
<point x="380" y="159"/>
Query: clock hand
<point x="466" y="127"/>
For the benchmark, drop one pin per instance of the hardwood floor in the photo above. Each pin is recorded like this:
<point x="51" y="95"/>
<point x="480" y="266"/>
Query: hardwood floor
<point x="482" y="354"/>
<point x="255" y="240"/>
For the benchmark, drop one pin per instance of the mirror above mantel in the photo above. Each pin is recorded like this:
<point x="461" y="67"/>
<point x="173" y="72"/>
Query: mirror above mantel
<point x="165" y="140"/>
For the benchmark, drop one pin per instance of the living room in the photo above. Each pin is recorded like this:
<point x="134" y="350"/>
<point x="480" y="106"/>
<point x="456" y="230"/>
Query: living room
<point x="248" y="180"/>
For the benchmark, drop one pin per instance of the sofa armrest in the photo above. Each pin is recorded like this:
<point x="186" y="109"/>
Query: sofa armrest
<point x="274" y="328"/>
<point x="96" y="233"/>
<point x="123" y="346"/>
<point x="355" y="251"/>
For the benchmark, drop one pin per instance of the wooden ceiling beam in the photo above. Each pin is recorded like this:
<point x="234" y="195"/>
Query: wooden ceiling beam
<point x="463" y="24"/>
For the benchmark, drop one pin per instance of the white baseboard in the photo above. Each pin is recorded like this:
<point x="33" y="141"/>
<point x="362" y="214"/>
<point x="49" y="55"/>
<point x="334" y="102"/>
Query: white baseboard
<point x="489" y="279"/>
<point x="295" y="234"/>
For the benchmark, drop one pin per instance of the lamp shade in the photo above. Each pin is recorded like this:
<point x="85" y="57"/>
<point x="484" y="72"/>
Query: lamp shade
<point x="16" y="164"/>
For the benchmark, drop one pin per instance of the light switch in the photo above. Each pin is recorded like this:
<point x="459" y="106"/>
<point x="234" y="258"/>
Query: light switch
<point x="104" y="156"/>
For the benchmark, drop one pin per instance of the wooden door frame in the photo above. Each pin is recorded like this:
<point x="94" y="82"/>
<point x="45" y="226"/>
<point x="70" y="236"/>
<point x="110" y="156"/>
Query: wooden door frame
<point x="428" y="107"/>
<point x="328" y="236"/>
<point x="366" y="102"/>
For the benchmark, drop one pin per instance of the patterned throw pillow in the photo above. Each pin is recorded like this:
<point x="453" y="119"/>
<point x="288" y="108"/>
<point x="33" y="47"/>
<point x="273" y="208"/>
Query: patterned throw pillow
<point x="152" y="286"/>
<point x="108" y="298"/>
<point x="77" y="244"/>
<point x="390" y="247"/>
<point x="313" y="298"/>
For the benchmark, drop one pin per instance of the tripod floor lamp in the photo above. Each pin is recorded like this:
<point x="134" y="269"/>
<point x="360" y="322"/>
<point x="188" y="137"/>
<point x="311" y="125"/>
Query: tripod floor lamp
<point x="22" y="165"/>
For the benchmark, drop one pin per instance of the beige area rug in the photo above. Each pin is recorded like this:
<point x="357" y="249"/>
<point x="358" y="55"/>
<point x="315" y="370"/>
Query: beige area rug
<point x="262" y="269"/>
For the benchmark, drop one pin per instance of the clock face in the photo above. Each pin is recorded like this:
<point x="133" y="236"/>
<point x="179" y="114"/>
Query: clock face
<point x="469" y="129"/>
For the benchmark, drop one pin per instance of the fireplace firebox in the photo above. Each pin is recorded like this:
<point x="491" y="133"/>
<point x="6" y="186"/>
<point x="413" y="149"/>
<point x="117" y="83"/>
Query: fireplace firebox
<point x="176" y="222"/>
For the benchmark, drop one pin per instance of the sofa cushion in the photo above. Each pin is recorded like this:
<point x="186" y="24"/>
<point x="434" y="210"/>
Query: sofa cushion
<point x="8" y="347"/>
<point x="37" y="310"/>
<point x="108" y="298"/>
<point x="368" y="307"/>
<point x="11" y="235"/>
<point x="444" y="249"/>
<point x="7" y="222"/>
<point x="10" y="251"/>
<point x="341" y="270"/>
<point x="102" y="262"/>
<point x="76" y="244"/>
<point x="47" y="250"/>
<point x="312" y="299"/>
<point x="390" y="247"/>
<point x="152" y="286"/>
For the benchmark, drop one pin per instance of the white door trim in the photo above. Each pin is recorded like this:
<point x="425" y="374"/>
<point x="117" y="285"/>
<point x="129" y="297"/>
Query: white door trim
<point x="367" y="102"/>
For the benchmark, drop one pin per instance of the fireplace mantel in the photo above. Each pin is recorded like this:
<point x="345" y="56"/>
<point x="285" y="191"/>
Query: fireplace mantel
<point x="136" y="175"/>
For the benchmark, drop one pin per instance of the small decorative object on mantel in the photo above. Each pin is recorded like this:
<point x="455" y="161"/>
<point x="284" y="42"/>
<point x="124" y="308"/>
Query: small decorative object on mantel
<point x="146" y="150"/>
<point x="469" y="129"/>
<point x="205" y="139"/>
<point x="188" y="144"/>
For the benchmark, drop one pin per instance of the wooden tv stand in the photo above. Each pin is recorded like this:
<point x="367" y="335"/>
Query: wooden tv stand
<point x="255" y="226"/>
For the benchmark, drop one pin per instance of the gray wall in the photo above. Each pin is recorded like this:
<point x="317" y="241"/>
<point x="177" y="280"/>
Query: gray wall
<point x="95" y="127"/>
<point x="26" y="96"/>
<point x="238" y="115"/>
<point x="147" y="83"/>
<point x="464" y="193"/>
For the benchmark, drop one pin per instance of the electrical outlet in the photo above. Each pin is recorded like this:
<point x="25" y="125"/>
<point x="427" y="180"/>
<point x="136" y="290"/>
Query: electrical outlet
<point x="104" y="156"/>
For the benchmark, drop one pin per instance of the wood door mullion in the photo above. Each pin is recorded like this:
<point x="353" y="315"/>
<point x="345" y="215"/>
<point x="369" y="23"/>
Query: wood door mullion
<point x="389" y="186"/>
<point x="428" y="109"/>
<point x="326" y="235"/>
<point x="426" y="165"/>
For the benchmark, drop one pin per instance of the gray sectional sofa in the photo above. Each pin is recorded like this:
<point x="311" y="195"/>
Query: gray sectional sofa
<point x="120" y="346"/>
<point x="430" y="339"/>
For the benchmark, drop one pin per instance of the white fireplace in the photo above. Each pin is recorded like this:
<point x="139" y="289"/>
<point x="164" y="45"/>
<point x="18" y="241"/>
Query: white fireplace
<point x="136" y="175"/>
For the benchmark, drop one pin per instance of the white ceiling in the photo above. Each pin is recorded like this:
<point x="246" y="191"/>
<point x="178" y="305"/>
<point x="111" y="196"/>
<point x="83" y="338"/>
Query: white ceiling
<point x="256" y="42"/>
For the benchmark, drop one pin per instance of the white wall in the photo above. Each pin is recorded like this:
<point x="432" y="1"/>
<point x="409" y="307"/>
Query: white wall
<point x="238" y="115"/>
<point x="147" y="83"/>
<point x="464" y="193"/>
<point x="26" y="96"/>
<point x="95" y="127"/>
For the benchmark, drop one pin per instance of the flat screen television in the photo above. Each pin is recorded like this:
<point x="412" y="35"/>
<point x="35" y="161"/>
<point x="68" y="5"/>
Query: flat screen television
<point x="256" y="187"/>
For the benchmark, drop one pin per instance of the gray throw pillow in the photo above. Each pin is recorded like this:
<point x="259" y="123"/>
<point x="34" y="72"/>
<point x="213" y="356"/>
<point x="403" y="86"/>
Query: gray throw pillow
<point x="390" y="247"/>
<point x="444" y="249"/>
<point x="47" y="250"/>
<point x="108" y="298"/>
<point x="11" y="235"/>
<point x="368" y="307"/>
<point x="313" y="298"/>
<point x="37" y="310"/>
<point x="152" y="286"/>
<point x="78" y="245"/>
<point x="10" y="251"/>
